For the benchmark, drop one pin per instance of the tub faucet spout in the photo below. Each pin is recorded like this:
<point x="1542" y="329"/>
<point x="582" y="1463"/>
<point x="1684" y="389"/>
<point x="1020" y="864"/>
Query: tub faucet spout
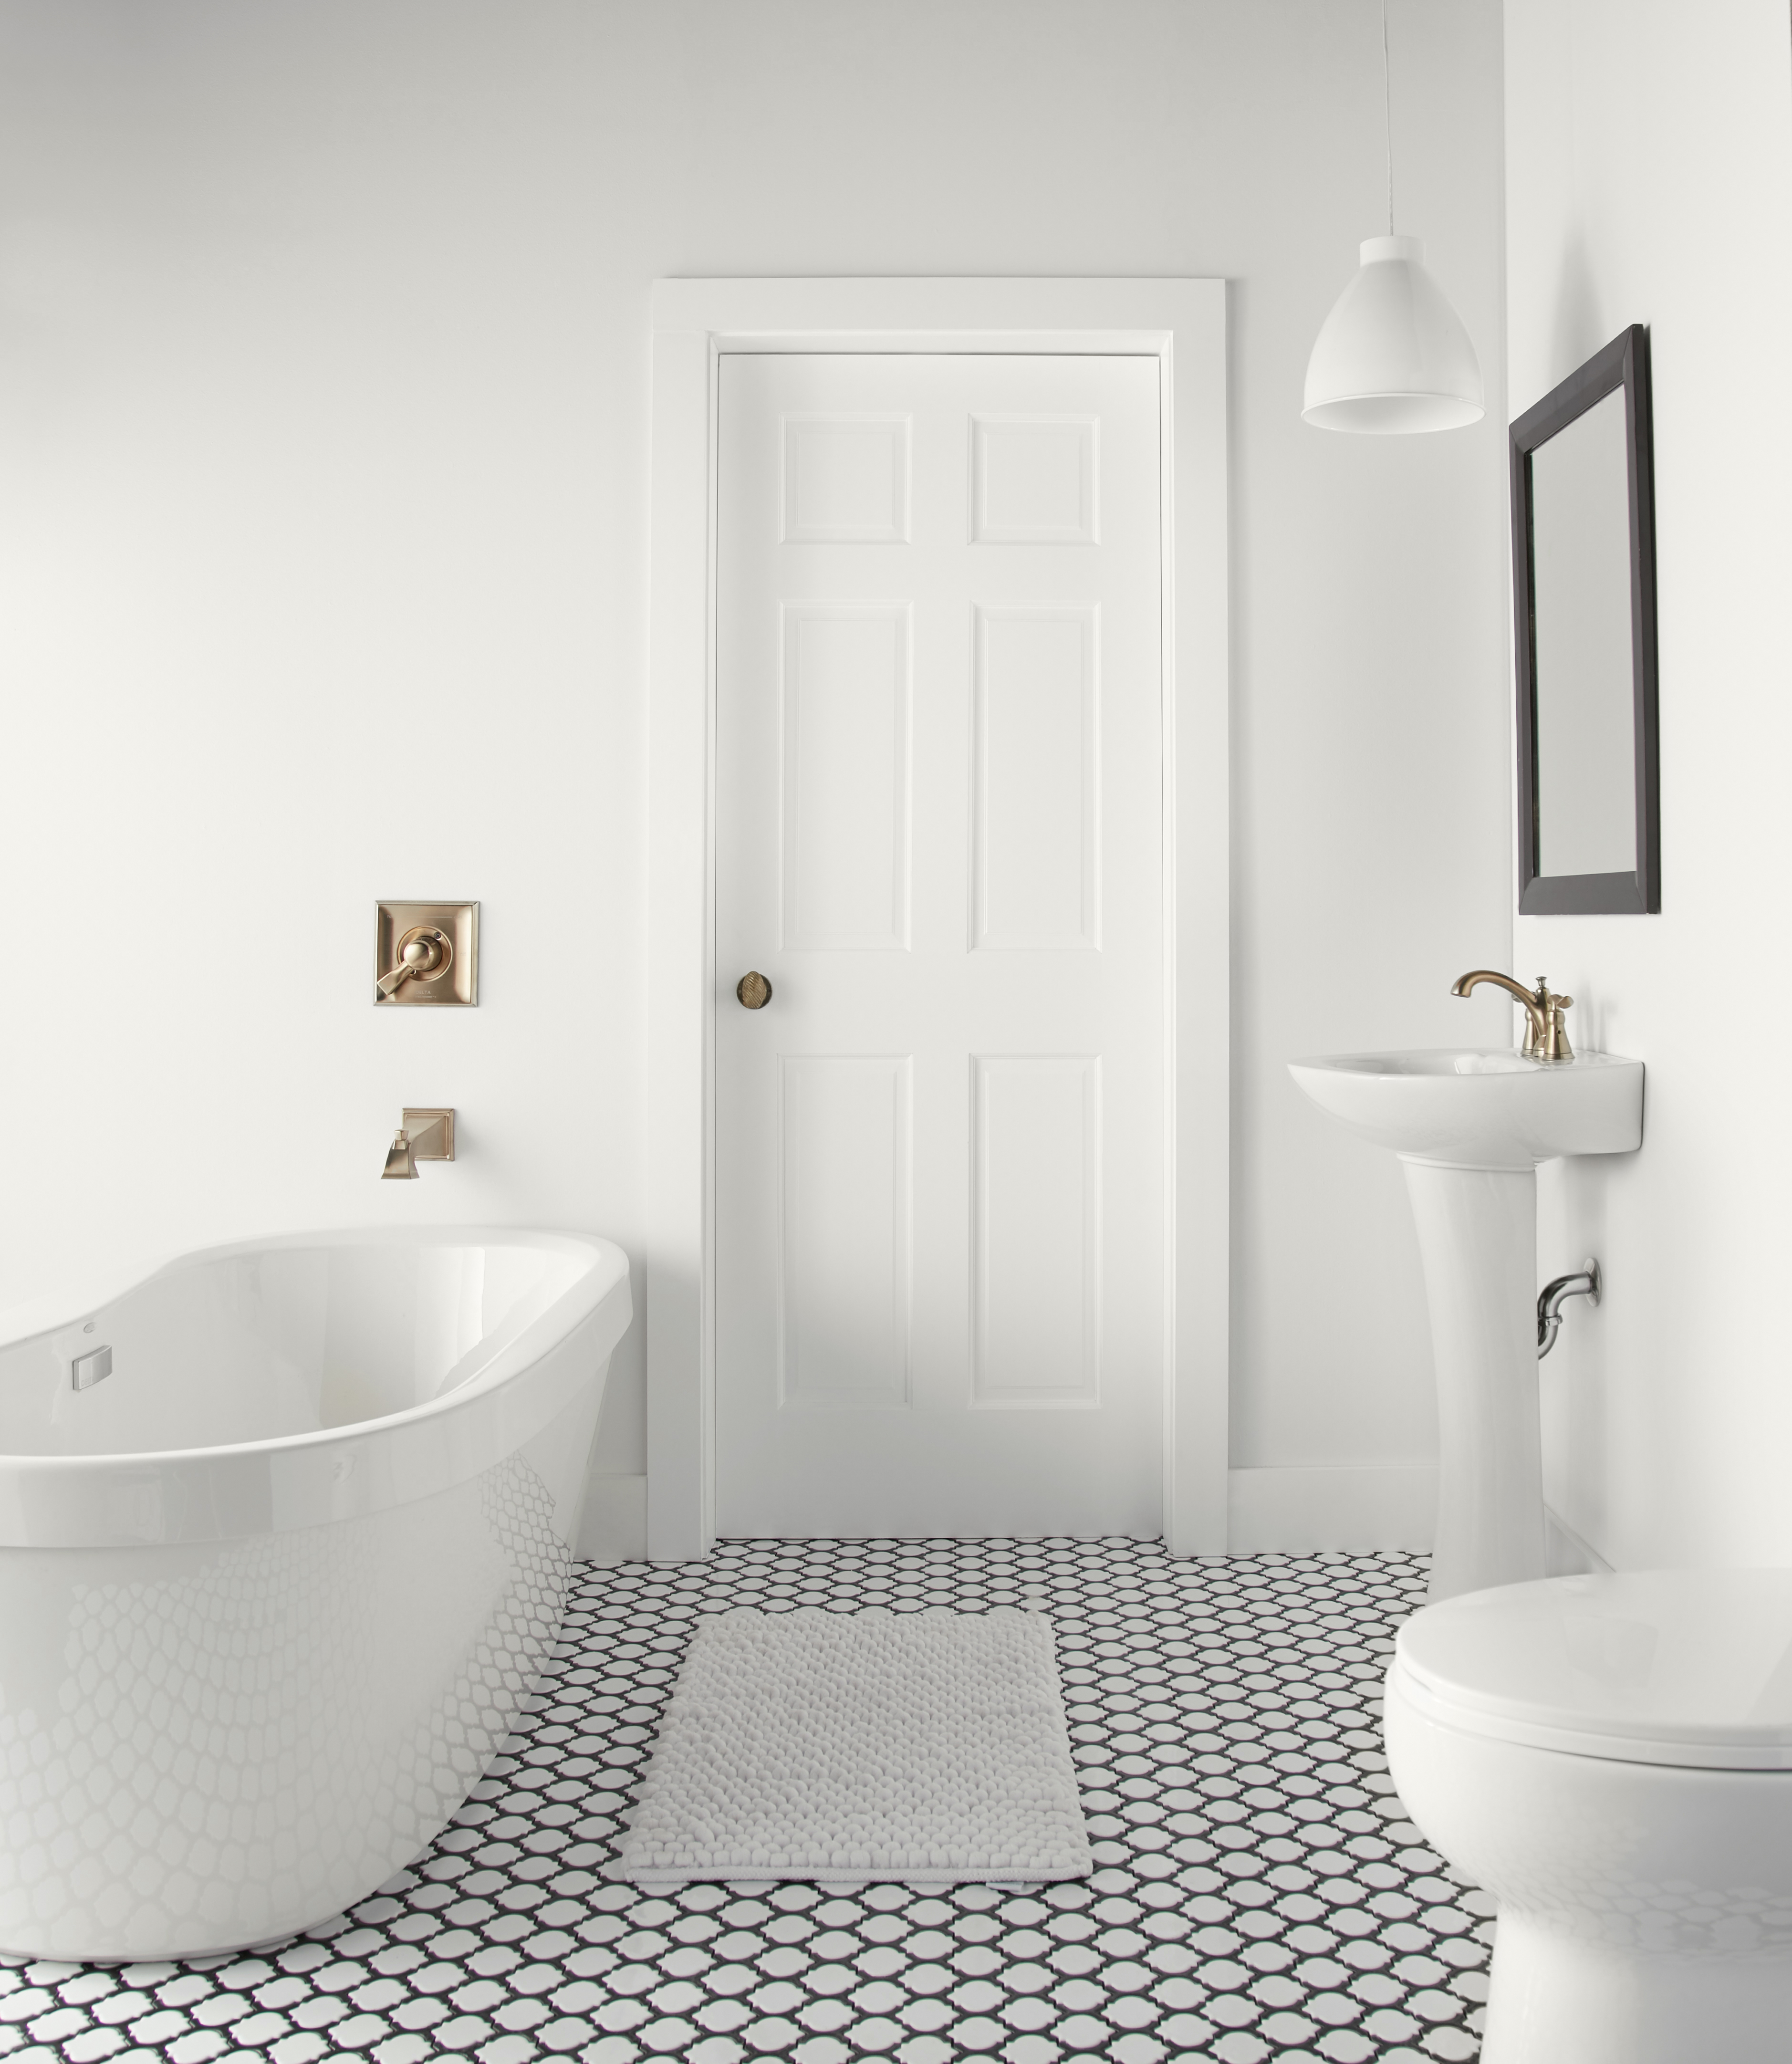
<point x="422" y="1136"/>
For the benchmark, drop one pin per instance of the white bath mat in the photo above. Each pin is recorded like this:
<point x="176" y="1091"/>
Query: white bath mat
<point x="845" y="1748"/>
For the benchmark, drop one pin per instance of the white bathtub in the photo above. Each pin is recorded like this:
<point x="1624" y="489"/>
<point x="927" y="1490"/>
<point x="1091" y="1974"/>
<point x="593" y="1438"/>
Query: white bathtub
<point x="271" y="1591"/>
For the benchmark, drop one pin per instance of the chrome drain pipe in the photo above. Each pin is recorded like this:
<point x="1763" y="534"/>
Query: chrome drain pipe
<point x="1585" y="1282"/>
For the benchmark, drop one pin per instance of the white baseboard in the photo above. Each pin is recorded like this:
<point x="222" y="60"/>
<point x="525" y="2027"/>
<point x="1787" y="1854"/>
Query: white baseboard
<point x="1366" y="1506"/>
<point x="615" y="1524"/>
<point x="1363" y="1507"/>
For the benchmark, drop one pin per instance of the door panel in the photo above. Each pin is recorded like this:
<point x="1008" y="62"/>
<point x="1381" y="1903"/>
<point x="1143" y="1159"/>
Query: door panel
<point x="1034" y="480"/>
<point x="1035" y="781"/>
<point x="843" y="1228"/>
<point x="1038" y="1274"/>
<point x="845" y="479"/>
<point x="845" y="775"/>
<point x="940" y="1177"/>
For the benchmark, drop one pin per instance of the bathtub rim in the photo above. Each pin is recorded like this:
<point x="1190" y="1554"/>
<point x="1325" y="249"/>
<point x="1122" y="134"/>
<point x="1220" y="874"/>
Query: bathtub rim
<point x="192" y="1495"/>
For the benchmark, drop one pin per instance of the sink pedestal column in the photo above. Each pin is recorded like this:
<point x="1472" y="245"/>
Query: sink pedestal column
<point x="1477" y="1239"/>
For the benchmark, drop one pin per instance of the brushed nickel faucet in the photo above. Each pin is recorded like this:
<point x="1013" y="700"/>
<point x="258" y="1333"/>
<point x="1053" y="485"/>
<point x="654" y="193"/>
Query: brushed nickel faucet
<point x="1545" y="1035"/>
<point x="425" y="1134"/>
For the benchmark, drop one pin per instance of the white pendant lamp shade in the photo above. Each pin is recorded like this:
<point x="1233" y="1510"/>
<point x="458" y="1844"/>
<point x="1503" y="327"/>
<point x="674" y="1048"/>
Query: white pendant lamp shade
<point x="1393" y="355"/>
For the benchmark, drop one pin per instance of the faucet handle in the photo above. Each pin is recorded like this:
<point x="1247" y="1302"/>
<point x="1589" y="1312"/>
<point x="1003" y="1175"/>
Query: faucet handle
<point x="1554" y="1046"/>
<point x="424" y="953"/>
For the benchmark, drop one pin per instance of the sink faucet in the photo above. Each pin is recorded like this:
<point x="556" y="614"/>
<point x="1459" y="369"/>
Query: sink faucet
<point x="1545" y="1035"/>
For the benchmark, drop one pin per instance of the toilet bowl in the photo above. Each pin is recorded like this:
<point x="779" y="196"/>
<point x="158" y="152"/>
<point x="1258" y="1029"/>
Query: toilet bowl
<point x="1610" y="1757"/>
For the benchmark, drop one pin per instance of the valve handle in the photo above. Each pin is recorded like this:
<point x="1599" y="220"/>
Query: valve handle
<point x="424" y="953"/>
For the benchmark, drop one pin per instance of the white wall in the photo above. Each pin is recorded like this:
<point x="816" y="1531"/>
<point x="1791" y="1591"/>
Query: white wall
<point x="1649" y="180"/>
<point x="323" y="410"/>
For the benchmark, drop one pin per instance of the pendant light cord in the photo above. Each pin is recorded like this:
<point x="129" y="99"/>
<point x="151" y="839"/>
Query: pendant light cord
<point x="1388" y="116"/>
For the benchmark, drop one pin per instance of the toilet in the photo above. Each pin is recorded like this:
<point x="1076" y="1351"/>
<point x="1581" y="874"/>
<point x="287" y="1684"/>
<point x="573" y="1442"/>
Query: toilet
<point x="1610" y="1758"/>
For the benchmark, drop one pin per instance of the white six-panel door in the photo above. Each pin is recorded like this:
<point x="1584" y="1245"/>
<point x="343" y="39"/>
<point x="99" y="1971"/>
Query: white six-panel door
<point x="939" y="1148"/>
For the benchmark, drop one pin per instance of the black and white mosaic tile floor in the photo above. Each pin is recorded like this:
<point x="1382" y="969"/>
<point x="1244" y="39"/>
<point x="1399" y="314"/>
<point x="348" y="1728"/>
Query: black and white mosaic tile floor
<point x="1257" y="1895"/>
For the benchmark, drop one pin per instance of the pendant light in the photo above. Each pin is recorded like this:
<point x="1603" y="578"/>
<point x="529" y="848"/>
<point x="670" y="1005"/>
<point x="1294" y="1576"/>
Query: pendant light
<point x="1393" y="356"/>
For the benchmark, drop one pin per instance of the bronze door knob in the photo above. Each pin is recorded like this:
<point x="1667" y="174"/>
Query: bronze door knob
<point x="753" y="990"/>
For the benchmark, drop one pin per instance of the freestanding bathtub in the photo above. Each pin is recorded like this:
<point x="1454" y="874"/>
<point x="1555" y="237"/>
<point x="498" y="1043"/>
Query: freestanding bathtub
<point x="272" y="1590"/>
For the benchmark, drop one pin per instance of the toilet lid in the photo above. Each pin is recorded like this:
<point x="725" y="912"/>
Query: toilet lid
<point x="1689" y="1666"/>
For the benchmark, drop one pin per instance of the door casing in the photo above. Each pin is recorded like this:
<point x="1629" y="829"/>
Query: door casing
<point x="1182" y="323"/>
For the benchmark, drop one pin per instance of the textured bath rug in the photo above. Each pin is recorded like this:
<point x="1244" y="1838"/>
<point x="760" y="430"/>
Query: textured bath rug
<point x="844" y="1748"/>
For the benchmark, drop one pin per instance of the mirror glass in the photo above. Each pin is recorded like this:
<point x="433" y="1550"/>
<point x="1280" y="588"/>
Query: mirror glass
<point x="1585" y="689"/>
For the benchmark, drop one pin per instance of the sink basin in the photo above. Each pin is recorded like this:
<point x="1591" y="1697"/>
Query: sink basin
<point x="1470" y="1107"/>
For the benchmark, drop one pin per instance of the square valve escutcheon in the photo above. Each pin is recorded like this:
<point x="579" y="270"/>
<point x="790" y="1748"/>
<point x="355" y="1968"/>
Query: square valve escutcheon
<point x="426" y="955"/>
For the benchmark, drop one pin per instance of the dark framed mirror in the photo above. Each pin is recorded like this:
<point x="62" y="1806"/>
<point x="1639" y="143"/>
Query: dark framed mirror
<point x="1583" y="518"/>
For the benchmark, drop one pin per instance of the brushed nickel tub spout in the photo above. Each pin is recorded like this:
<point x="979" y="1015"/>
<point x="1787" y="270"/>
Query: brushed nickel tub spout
<point x="423" y="1135"/>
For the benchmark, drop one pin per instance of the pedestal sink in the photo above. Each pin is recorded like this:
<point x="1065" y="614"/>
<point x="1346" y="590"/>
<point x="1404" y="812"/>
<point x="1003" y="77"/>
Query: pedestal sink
<point x="1470" y="1127"/>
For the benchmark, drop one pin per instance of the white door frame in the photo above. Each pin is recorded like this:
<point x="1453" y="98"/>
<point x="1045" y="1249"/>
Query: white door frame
<point x="1182" y="323"/>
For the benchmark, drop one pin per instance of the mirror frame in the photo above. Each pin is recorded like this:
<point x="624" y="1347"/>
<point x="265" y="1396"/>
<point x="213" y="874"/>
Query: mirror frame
<point x="1623" y="363"/>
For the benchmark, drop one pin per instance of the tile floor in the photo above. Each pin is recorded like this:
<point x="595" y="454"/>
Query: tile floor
<point x="1257" y="1896"/>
